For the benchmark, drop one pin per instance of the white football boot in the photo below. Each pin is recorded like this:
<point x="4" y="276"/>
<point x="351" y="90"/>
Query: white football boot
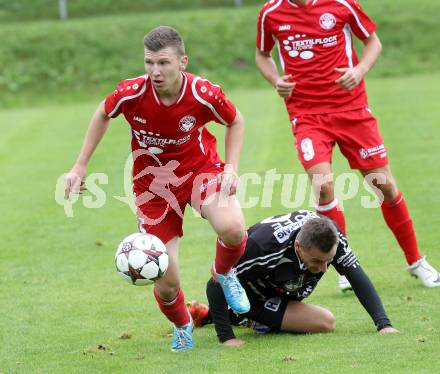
<point x="426" y="273"/>
<point x="344" y="284"/>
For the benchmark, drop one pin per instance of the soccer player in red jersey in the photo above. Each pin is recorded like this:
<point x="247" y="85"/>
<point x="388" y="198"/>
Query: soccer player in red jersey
<point x="175" y="164"/>
<point x="324" y="92"/>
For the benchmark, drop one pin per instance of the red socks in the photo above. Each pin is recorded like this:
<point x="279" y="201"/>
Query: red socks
<point x="333" y="211"/>
<point x="397" y="218"/>
<point x="175" y="310"/>
<point x="226" y="256"/>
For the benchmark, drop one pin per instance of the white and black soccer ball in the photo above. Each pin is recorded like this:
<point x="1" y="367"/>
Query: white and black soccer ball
<point x="141" y="259"/>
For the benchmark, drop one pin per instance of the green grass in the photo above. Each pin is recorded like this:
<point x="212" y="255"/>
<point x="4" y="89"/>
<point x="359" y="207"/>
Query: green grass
<point x="24" y="10"/>
<point x="61" y="298"/>
<point x="88" y="56"/>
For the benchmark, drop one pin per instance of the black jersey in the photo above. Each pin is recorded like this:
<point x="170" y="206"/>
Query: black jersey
<point x="270" y="266"/>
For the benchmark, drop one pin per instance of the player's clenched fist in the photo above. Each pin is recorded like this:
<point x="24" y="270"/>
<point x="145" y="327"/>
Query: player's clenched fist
<point x="350" y="78"/>
<point x="284" y="85"/>
<point x="388" y="330"/>
<point x="228" y="180"/>
<point x="233" y="343"/>
<point x="74" y="182"/>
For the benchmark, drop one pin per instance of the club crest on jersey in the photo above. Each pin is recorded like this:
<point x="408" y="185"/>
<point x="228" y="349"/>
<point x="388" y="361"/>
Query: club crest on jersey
<point x="327" y="21"/>
<point x="293" y="285"/>
<point x="187" y="123"/>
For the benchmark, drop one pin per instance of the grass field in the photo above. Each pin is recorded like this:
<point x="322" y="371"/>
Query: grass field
<point x="63" y="308"/>
<point x="24" y="10"/>
<point x="53" y="60"/>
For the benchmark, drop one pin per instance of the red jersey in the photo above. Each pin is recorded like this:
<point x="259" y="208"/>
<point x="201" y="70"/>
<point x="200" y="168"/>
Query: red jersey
<point x="163" y="133"/>
<point x="313" y="40"/>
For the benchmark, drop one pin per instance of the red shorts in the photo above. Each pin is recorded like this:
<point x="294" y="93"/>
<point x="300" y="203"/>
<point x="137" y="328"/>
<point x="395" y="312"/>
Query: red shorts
<point x="160" y="211"/>
<point x="356" y="132"/>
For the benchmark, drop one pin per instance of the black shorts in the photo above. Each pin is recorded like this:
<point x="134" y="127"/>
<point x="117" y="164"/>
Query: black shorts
<point x="269" y="312"/>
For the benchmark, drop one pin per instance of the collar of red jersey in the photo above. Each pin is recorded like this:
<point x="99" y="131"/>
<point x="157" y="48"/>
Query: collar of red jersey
<point x="182" y="90"/>
<point x="292" y="2"/>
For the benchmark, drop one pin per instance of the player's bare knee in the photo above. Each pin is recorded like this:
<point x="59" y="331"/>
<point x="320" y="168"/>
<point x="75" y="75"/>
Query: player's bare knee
<point x="328" y="322"/>
<point x="233" y="232"/>
<point x="326" y="192"/>
<point x="167" y="291"/>
<point x="389" y="190"/>
<point x="384" y="182"/>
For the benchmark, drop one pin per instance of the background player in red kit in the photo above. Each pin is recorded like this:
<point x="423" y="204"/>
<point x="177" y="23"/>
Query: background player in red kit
<point x="325" y="96"/>
<point x="176" y="163"/>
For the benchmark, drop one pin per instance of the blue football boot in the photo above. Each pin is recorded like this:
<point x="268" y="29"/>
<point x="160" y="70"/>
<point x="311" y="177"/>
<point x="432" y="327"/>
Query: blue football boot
<point x="235" y="294"/>
<point x="182" y="338"/>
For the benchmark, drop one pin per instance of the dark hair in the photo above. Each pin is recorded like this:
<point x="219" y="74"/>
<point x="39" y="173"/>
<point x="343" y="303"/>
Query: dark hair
<point x="318" y="233"/>
<point x="162" y="37"/>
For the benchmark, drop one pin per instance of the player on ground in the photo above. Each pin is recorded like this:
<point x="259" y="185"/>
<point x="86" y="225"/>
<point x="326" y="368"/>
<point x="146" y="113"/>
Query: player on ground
<point x="285" y="258"/>
<point x="324" y="92"/>
<point x="175" y="164"/>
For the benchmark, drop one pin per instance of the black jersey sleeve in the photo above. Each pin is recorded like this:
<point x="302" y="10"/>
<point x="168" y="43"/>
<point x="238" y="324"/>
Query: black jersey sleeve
<point x="347" y="264"/>
<point x="218" y="308"/>
<point x="368" y="296"/>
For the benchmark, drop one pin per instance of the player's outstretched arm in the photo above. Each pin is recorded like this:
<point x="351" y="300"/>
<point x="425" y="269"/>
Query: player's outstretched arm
<point x="74" y="180"/>
<point x="351" y="77"/>
<point x="369" y="298"/>
<point x="267" y="67"/>
<point x="233" y="142"/>
<point x="218" y="308"/>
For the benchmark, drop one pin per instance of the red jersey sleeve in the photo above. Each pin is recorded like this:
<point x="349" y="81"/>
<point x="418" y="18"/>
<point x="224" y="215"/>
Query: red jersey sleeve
<point x="265" y="41"/>
<point x="126" y="90"/>
<point x="361" y="25"/>
<point x="211" y="95"/>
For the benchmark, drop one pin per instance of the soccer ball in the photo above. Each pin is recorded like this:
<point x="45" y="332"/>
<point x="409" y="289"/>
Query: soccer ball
<point x="141" y="259"/>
